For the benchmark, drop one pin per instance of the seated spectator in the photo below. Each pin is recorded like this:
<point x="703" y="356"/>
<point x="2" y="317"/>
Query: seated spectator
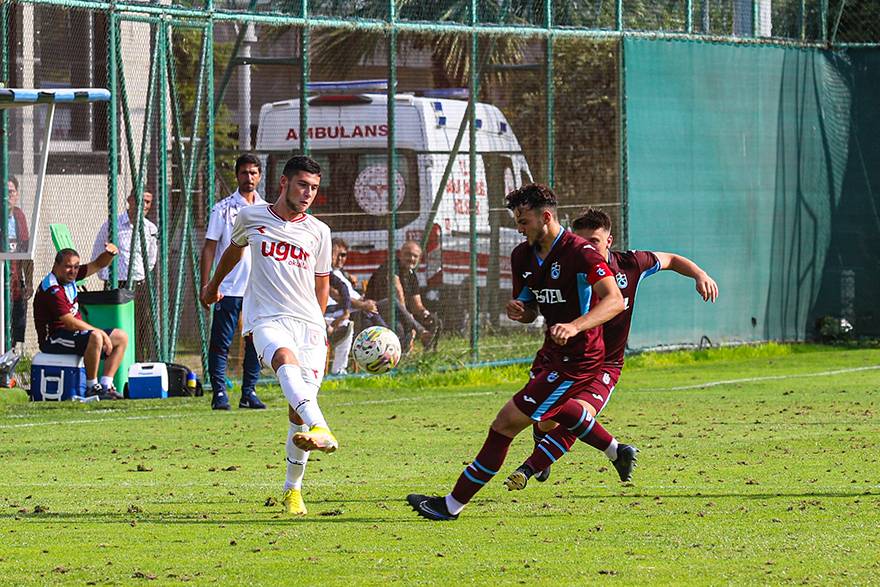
<point x="412" y="315"/>
<point x="345" y="307"/>
<point x="363" y="308"/>
<point x="340" y="329"/>
<point x="61" y="329"/>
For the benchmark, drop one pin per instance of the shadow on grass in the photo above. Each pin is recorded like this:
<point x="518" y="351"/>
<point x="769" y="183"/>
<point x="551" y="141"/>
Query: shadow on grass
<point x="703" y="495"/>
<point x="270" y="518"/>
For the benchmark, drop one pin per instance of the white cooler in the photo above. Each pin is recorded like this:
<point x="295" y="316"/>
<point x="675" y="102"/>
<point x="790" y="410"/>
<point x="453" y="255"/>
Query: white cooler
<point x="148" y="381"/>
<point x="57" y="377"/>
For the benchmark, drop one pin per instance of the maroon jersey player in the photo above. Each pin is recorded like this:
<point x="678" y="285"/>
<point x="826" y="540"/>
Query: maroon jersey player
<point x="564" y="278"/>
<point x="629" y="268"/>
<point x="62" y="330"/>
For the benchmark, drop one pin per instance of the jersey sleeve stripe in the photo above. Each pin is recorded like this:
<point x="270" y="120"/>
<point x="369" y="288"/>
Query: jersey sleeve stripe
<point x="319" y="274"/>
<point x="585" y="292"/>
<point x="526" y="295"/>
<point x="232" y="242"/>
<point x="648" y="272"/>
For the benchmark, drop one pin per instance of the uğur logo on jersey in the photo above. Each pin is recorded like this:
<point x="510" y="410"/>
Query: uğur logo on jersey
<point x="285" y="253"/>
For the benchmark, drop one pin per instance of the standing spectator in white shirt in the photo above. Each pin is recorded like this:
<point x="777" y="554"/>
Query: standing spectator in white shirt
<point x="125" y="238"/>
<point x="144" y="350"/>
<point x="226" y="312"/>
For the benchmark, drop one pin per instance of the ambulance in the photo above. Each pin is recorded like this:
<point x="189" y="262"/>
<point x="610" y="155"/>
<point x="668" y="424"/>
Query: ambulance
<point x="348" y="136"/>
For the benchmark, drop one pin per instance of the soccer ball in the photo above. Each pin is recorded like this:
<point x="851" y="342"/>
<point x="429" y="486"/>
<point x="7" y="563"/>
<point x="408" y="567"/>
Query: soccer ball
<point x="376" y="349"/>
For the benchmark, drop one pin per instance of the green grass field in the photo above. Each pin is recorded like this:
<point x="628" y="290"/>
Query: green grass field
<point x="773" y="478"/>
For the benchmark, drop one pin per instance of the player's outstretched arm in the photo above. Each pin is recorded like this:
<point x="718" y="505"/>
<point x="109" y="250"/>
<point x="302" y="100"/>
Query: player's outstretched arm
<point x="610" y="305"/>
<point x="103" y="259"/>
<point x="230" y="258"/>
<point x="705" y="285"/>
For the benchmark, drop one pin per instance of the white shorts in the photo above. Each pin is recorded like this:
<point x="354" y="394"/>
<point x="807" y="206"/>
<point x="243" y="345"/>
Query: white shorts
<point x="307" y="341"/>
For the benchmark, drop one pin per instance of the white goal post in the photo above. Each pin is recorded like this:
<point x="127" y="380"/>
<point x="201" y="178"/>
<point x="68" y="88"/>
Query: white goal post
<point x="22" y="98"/>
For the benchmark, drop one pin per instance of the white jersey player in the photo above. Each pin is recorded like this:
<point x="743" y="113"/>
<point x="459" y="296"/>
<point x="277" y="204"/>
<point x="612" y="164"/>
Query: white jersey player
<point x="284" y="307"/>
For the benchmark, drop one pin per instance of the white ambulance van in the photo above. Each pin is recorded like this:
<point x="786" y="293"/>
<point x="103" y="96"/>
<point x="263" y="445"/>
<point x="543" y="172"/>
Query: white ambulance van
<point x="348" y="135"/>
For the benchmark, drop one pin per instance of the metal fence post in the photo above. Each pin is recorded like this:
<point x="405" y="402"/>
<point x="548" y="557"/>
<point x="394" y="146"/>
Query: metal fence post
<point x="689" y="17"/>
<point x="621" y="143"/>
<point x="4" y="175"/>
<point x="550" y="98"/>
<point x="162" y="195"/>
<point x="473" y="301"/>
<point x="391" y="92"/>
<point x="112" y="133"/>
<point x="304" y="75"/>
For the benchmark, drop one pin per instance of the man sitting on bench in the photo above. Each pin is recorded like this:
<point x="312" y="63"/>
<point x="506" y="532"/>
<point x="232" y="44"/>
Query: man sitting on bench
<point x="61" y="329"/>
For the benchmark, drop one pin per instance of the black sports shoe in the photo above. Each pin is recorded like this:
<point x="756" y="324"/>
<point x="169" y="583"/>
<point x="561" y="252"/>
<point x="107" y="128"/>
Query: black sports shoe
<point x="432" y="508"/>
<point x="95" y="390"/>
<point x="112" y="393"/>
<point x="626" y="461"/>
<point x="220" y="401"/>
<point x="542" y="476"/>
<point x="519" y="478"/>
<point x="251" y="401"/>
<point x="98" y="390"/>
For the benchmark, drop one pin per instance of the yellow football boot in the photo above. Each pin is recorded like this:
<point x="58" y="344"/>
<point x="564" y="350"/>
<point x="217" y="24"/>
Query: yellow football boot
<point x="293" y="502"/>
<point x="317" y="438"/>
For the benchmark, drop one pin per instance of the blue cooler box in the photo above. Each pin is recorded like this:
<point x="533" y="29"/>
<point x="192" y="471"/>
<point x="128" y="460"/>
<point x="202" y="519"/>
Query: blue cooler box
<point x="57" y="377"/>
<point x="148" y="381"/>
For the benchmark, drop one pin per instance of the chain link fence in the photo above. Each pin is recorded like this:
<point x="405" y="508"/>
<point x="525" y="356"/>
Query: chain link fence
<point x="195" y="84"/>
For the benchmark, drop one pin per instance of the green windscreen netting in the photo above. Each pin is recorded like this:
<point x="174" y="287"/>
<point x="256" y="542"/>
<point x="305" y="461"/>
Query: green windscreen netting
<point x="738" y="157"/>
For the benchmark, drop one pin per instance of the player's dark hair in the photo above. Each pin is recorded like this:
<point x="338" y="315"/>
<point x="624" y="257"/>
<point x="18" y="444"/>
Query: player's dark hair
<point x="14" y="181"/>
<point x="63" y="254"/>
<point x="300" y="163"/>
<point x="592" y="219"/>
<point x="248" y="159"/>
<point x="339" y="242"/>
<point x="533" y="196"/>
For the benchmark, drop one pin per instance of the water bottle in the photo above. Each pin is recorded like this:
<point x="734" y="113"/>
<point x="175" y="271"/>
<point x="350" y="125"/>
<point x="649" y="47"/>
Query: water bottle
<point x="191" y="382"/>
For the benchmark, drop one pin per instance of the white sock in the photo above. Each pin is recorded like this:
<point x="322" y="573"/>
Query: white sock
<point x="296" y="459"/>
<point x="611" y="451"/>
<point x="453" y="505"/>
<point x="106" y="382"/>
<point x="91" y="382"/>
<point x="301" y="396"/>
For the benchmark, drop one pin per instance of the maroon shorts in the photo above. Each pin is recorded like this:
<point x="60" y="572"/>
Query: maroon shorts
<point x="550" y="386"/>
<point x="599" y="390"/>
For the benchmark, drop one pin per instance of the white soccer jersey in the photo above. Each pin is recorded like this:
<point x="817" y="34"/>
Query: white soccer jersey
<point x="285" y="258"/>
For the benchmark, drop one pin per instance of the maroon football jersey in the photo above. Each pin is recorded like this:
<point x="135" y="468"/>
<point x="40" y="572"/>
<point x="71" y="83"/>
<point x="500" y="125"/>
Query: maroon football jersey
<point x="629" y="268"/>
<point x="52" y="300"/>
<point x="561" y="285"/>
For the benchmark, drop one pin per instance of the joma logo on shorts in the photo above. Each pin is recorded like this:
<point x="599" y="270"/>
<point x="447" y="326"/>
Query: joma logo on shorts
<point x="549" y="296"/>
<point x="282" y="251"/>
